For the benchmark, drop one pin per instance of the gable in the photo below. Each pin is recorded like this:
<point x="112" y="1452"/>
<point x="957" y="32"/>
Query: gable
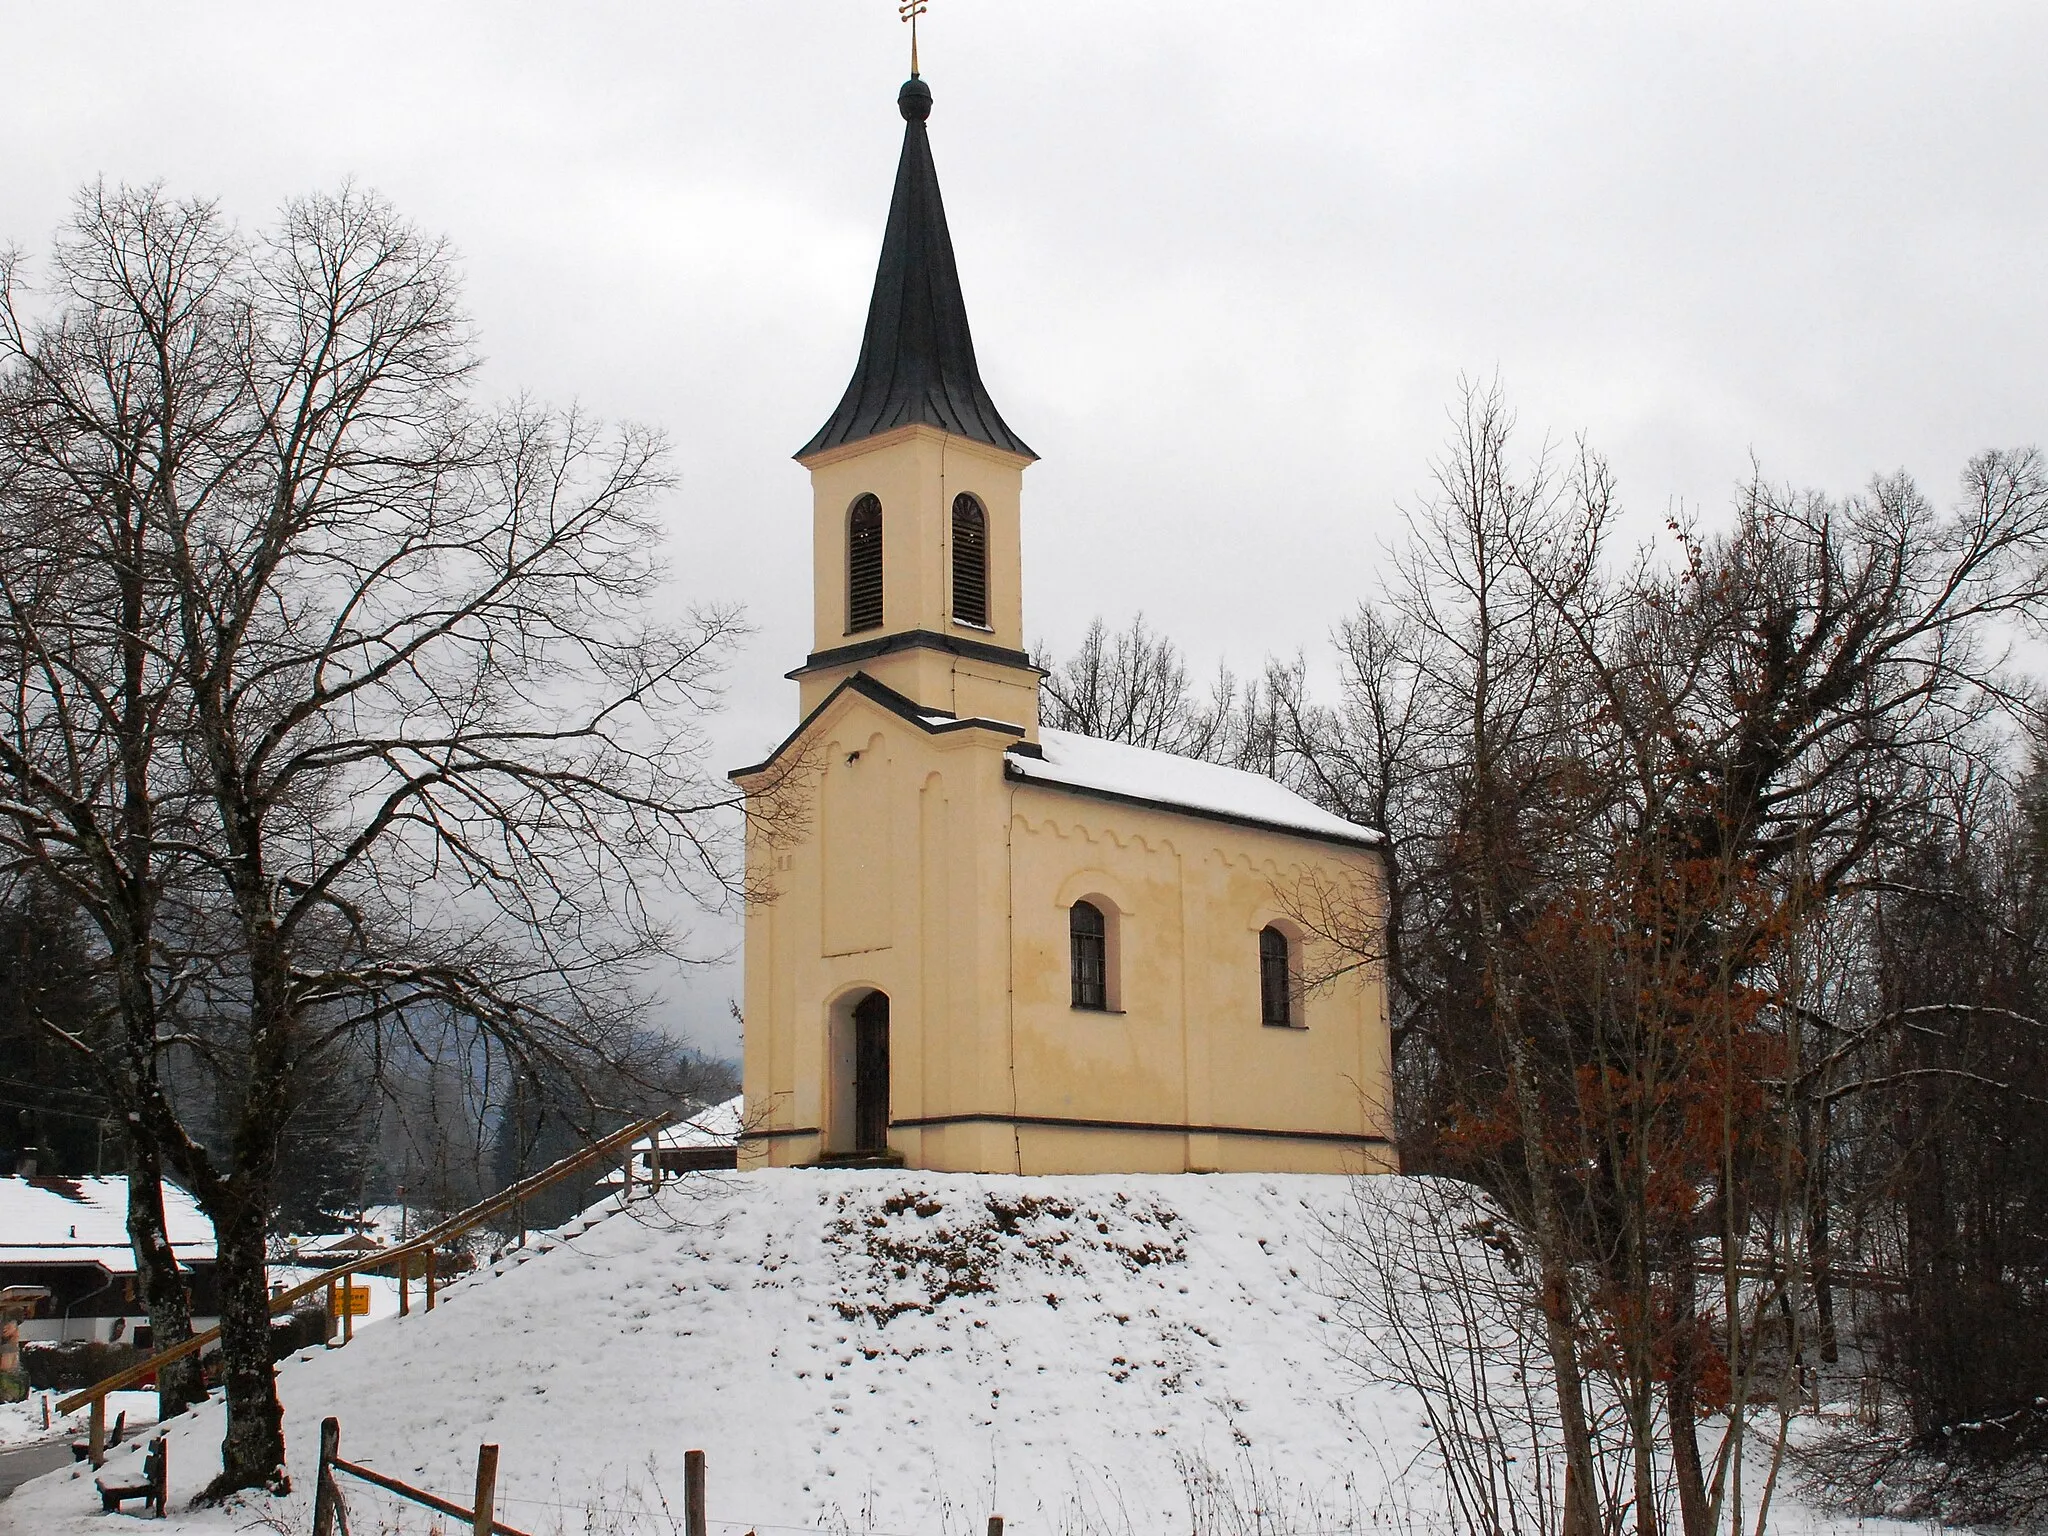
<point x="856" y="691"/>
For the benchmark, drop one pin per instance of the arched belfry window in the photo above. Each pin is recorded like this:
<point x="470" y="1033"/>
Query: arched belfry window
<point x="1276" y="979"/>
<point x="864" y="565"/>
<point x="1091" y="955"/>
<point x="970" y="560"/>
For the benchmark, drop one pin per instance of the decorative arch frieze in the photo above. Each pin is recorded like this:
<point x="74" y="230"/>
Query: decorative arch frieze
<point x="1067" y="830"/>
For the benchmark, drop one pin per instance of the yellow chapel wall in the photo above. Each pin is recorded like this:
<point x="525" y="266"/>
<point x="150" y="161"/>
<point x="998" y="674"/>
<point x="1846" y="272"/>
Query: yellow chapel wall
<point x="899" y="882"/>
<point x="1188" y="896"/>
<point x="925" y="873"/>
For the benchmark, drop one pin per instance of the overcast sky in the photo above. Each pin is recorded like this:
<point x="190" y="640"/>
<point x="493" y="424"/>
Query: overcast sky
<point x="1225" y="263"/>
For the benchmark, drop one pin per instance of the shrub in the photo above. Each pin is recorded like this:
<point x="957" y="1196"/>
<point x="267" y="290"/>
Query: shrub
<point x="303" y="1329"/>
<point x="75" y="1363"/>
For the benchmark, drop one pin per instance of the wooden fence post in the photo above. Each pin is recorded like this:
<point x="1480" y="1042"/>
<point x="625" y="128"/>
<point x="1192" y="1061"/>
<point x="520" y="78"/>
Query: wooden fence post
<point x="430" y="1279"/>
<point x="404" y="1291"/>
<point x="486" y="1505"/>
<point x="348" y="1309"/>
<point x="324" y="1491"/>
<point x="96" y="1433"/>
<point x="995" y="1525"/>
<point x="694" y="1521"/>
<point x="333" y="1311"/>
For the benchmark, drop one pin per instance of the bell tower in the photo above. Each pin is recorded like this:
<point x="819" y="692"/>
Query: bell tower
<point x="916" y="483"/>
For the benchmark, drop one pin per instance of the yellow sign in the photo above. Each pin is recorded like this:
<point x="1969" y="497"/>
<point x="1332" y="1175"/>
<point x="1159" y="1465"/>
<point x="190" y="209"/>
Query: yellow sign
<point x="355" y="1300"/>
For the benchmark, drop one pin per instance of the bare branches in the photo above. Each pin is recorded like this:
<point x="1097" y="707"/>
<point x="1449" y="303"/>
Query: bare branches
<point x="1134" y="687"/>
<point x="1640" y="821"/>
<point x="333" y="696"/>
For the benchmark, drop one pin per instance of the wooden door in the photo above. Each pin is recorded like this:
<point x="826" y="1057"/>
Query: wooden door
<point x="871" y="1073"/>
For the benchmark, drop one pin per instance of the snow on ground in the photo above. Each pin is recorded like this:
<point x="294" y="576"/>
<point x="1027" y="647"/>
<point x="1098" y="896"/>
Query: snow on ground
<point x="23" y="1423"/>
<point x="886" y="1352"/>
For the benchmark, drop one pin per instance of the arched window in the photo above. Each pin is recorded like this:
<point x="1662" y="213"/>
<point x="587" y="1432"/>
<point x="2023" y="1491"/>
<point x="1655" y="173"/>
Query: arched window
<point x="864" y="565"/>
<point x="970" y="561"/>
<point x="1276" y="979"/>
<point x="1091" y="955"/>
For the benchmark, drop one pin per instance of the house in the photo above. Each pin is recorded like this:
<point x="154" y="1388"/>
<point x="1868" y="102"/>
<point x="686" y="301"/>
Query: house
<point x="705" y="1140"/>
<point x="69" y="1236"/>
<point x="331" y="1250"/>
<point x="977" y="944"/>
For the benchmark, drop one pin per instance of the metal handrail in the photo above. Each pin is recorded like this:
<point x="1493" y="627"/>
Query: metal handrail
<point x="463" y="1221"/>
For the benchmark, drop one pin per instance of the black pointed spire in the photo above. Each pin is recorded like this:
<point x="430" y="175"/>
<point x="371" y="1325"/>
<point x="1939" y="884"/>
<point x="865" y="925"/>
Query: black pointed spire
<point x="916" y="359"/>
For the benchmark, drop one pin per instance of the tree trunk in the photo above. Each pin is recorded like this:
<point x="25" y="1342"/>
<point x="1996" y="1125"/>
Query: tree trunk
<point x="1642" y="1432"/>
<point x="1560" y="1323"/>
<point x="1820" y="1240"/>
<point x="163" y="1287"/>
<point x="1681" y="1401"/>
<point x="1581" y="1486"/>
<point x="252" y="1454"/>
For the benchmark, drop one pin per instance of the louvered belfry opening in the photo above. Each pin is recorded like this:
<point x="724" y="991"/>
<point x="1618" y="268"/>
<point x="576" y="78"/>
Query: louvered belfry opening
<point x="864" y="565"/>
<point x="1276" y="983"/>
<point x="970" y="561"/>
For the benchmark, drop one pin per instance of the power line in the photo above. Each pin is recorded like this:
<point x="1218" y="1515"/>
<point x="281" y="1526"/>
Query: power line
<point x="66" y="1114"/>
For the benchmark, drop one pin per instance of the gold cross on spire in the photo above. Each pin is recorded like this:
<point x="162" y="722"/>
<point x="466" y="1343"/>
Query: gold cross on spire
<point x="910" y="10"/>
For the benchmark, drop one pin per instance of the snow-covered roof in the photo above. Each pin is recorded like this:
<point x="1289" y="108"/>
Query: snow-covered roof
<point x="57" y="1220"/>
<point x="1083" y="763"/>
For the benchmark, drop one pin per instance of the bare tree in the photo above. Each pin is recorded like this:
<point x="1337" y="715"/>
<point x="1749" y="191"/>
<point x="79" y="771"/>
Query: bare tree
<point x="1434" y="1292"/>
<point x="1133" y="687"/>
<point x="333" y="699"/>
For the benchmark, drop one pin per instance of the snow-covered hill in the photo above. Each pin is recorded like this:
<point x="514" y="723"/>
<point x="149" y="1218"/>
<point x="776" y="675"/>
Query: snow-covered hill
<point x="885" y="1352"/>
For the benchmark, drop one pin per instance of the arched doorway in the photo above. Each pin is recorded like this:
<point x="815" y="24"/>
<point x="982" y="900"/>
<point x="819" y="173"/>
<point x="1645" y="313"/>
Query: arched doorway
<point x="871" y="1074"/>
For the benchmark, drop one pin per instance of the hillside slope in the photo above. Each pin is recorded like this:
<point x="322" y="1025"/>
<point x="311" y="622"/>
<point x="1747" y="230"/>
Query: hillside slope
<point x="889" y="1352"/>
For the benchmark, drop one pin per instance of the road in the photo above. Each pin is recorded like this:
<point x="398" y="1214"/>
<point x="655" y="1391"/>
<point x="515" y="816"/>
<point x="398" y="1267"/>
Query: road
<point x="24" y="1462"/>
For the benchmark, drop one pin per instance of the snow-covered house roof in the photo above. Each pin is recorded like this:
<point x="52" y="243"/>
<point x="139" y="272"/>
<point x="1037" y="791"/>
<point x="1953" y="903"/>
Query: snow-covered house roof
<point x="708" y="1139"/>
<point x="717" y="1126"/>
<point x="57" y="1220"/>
<point x="1139" y="774"/>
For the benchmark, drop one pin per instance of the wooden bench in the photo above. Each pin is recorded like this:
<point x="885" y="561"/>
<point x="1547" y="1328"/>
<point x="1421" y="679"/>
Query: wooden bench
<point x="155" y="1487"/>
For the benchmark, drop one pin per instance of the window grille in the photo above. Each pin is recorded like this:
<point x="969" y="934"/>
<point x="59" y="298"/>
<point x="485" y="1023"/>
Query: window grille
<point x="970" y="561"/>
<point x="864" y="565"/>
<point x="1276" y="979"/>
<point x="1091" y="956"/>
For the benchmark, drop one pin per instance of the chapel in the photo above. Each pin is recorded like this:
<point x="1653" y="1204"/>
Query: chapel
<point x="976" y="944"/>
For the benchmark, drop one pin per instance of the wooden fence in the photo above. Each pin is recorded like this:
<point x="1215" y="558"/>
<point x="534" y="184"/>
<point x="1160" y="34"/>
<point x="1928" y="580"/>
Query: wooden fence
<point x="481" y="1517"/>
